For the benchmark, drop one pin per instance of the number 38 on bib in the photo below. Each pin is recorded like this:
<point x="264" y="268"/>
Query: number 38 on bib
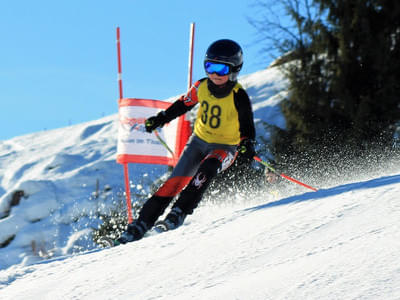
<point x="217" y="119"/>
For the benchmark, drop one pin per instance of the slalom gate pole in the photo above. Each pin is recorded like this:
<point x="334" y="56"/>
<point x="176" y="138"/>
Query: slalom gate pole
<point x="119" y="65"/>
<point x="256" y="158"/>
<point x="183" y="127"/>
<point x="126" y="170"/>
<point x="128" y="193"/>
<point x="190" y="72"/>
<point x="191" y="46"/>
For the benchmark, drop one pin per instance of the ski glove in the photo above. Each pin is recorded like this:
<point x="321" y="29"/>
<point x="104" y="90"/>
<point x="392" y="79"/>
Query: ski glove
<point x="246" y="149"/>
<point x="156" y="121"/>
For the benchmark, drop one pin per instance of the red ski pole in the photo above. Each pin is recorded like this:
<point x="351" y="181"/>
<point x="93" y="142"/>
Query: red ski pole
<point x="283" y="175"/>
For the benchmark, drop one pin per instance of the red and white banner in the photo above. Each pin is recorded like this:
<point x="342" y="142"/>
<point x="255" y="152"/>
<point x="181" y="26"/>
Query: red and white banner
<point x="135" y="145"/>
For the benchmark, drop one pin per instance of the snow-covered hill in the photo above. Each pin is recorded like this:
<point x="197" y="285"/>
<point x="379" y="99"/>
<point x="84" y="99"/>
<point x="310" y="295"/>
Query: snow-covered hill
<point x="341" y="242"/>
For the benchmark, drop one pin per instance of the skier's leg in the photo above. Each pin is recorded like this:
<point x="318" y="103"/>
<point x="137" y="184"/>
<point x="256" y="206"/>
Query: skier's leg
<point x="179" y="178"/>
<point x="192" y="194"/>
<point x="156" y="204"/>
<point x="152" y="209"/>
<point x="190" y="197"/>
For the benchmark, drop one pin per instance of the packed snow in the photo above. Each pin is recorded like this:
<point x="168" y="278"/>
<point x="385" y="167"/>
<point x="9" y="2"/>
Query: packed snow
<point x="341" y="242"/>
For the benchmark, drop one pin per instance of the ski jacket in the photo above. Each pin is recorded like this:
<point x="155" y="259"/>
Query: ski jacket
<point x="225" y="119"/>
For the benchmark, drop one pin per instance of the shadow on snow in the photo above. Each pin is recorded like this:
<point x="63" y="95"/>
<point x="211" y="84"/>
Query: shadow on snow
<point x="374" y="183"/>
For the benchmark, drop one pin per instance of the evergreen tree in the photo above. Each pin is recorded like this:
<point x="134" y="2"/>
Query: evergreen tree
<point x="344" y="82"/>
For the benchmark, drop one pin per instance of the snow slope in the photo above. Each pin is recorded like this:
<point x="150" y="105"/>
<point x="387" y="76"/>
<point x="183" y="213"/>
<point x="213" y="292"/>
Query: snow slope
<point x="69" y="177"/>
<point x="337" y="243"/>
<point x="341" y="242"/>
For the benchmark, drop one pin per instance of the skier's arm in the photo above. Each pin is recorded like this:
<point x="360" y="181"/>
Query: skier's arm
<point x="184" y="103"/>
<point x="246" y="126"/>
<point x="176" y="109"/>
<point x="246" y="121"/>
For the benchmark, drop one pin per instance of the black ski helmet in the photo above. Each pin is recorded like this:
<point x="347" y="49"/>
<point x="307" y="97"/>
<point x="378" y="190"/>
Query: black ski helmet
<point x="226" y="51"/>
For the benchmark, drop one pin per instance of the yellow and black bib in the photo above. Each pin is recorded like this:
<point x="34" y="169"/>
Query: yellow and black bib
<point x="217" y="118"/>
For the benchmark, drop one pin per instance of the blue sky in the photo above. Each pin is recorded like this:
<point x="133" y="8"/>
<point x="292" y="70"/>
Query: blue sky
<point x="58" y="61"/>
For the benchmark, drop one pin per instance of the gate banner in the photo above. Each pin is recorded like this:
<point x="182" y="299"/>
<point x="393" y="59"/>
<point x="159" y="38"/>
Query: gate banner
<point x="135" y="145"/>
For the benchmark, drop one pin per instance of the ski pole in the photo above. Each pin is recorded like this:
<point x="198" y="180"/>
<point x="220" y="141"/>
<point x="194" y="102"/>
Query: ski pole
<point x="163" y="143"/>
<point x="256" y="158"/>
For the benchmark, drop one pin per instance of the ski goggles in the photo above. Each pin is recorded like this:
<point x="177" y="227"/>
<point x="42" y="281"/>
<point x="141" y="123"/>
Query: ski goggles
<point x="218" y="68"/>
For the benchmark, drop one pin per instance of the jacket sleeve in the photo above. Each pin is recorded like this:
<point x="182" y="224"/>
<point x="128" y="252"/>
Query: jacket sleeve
<point x="245" y="111"/>
<point x="183" y="104"/>
<point x="175" y="110"/>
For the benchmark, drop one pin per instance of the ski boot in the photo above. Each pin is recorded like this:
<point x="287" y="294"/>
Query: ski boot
<point x="135" y="231"/>
<point x="172" y="221"/>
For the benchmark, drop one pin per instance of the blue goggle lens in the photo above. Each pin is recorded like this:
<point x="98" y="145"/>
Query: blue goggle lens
<point x="218" y="68"/>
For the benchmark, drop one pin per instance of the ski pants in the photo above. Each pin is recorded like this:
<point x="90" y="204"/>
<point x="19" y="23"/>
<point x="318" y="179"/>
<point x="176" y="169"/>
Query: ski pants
<point x="200" y="162"/>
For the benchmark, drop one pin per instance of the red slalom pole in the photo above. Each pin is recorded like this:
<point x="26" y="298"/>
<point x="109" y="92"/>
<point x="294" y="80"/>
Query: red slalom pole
<point x="184" y="130"/>
<point x="126" y="169"/>
<point x="283" y="175"/>
<point x="128" y="193"/>
<point x="119" y="64"/>
<point x="191" y="46"/>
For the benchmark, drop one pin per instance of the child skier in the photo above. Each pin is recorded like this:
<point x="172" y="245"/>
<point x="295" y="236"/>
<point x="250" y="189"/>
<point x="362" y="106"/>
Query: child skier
<point x="223" y="128"/>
